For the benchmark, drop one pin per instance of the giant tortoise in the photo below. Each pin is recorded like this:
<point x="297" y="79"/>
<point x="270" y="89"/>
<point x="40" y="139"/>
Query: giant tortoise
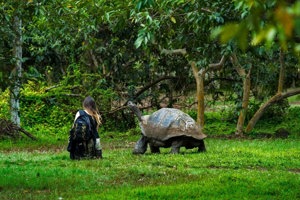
<point x="167" y="127"/>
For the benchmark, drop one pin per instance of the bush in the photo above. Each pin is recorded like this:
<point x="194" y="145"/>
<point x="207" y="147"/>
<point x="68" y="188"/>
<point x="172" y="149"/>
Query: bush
<point x="4" y="105"/>
<point x="275" y="112"/>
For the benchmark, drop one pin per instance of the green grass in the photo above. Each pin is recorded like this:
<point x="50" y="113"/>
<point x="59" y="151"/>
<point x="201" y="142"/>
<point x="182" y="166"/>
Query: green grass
<point x="230" y="169"/>
<point x="294" y="99"/>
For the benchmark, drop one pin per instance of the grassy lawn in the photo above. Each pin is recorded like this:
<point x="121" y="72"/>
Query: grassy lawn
<point x="230" y="169"/>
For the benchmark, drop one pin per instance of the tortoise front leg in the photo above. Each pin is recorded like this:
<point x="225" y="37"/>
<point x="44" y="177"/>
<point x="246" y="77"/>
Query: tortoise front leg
<point x="175" y="147"/>
<point x="201" y="147"/>
<point x="140" y="146"/>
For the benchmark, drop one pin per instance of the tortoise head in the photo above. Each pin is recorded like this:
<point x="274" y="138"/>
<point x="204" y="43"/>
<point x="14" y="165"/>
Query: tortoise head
<point x="130" y="104"/>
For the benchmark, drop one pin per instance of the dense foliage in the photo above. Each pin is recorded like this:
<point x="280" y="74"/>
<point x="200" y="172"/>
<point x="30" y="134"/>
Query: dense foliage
<point x="122" y="50"/>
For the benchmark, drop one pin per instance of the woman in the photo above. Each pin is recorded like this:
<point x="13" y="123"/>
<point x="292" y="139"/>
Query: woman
<point x="84" y="137"/>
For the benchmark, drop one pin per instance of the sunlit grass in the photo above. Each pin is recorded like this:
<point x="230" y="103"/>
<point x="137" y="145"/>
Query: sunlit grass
<point x="230" y="169"/>
<point x="294" y="99"/>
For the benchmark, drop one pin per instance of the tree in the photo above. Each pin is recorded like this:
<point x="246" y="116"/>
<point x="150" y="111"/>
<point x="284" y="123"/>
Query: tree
<point x="246" y="93"/>
<point x="264" y="22"/>
<point x="12" y="30"/>
<point x="120" y="50"/>
<point x="200" y="76"/>
<point x="16" y="74"/>
<point x="277" y="97"/>
<point x="181" y="28"/>
<point x="278" y="25"/>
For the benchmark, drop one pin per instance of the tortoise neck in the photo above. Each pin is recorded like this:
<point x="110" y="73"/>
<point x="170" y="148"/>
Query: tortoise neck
<point x="137" y="112"/>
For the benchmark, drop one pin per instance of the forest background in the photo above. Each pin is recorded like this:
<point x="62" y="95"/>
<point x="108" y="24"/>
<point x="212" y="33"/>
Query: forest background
<point x="232" y="65"/>
<point x="240" y="56"/>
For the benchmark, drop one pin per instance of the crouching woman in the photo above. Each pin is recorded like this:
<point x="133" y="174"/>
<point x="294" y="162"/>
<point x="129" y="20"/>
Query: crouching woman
<point x="84" y="140"/>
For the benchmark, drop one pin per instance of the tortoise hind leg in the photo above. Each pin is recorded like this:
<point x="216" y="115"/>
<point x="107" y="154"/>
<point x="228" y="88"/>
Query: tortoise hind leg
<point x="201" y="147"/>
<point x="140" y="146"/>
<point x="154" y="149"/>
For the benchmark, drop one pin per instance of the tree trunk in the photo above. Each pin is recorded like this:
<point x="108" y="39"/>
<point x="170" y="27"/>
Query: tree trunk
<point x="274" y="99"/>
<point x="246" y="94"/>
<point x="200" y="95"/>
<point x="282" y="72"/>
<point x="16" y="73"/>
<point x="95" y="62"/>
<point x="245" y="103"/>
<point x="200" y="76"/>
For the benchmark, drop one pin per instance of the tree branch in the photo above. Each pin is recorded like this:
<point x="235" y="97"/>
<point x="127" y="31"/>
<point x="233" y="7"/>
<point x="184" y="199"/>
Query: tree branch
<point x="95" y="62"/>
<point x="217" y="66"/>
<point x="237" y="65"/>
<point x="213" y="67"/>
<point x="152" y="84"/>
<point x="175" y="51"/>
<point x="271" y="101"/>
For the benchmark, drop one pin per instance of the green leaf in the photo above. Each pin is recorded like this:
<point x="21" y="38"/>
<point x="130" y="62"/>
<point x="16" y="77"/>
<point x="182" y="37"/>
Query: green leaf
<point x="297" y="48"/>
<point x="139" y="5"/>
<point x="173" y="20"/>
<point x="267" y="34"/>
<point x="138" y="42"/>
<point x="270" y="34"/>
<point x="229" y="32"/>
<point x="216" y="32"/>
<point x="243" y="39"/>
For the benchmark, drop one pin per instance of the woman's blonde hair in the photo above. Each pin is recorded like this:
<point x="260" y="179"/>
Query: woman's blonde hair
<point x="89" y="104"/>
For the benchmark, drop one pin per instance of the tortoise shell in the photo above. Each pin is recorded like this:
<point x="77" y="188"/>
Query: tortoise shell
<point x="167" y="123"/>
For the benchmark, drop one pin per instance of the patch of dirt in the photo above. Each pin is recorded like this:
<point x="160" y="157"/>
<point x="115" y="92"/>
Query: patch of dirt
<point x="295" y="103"/>
<point x="296" y="171"/>
<point x="279" y="134"/>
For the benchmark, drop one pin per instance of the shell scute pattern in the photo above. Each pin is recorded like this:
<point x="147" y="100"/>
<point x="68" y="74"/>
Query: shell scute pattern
<point x="170" y="122"/>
